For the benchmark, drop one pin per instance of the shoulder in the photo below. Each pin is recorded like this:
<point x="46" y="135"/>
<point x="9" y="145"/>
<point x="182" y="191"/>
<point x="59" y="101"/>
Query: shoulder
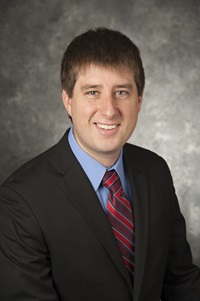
<point x="42" y="170"/>
<point x="145" y="158"/>
<point x="141" y="153"/>
<point x="35" y="165"/>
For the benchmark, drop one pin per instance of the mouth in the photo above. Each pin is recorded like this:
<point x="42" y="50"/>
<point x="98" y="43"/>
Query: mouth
<point x="107" y="126"/>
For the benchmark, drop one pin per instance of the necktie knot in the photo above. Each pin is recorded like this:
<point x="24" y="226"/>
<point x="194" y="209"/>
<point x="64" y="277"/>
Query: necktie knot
<point x="112" y="181"/>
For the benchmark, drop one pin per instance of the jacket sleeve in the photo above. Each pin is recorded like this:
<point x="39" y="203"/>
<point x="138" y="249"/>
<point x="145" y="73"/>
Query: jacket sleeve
<point x="182" y="278"/>
<point x="25" y="264"/>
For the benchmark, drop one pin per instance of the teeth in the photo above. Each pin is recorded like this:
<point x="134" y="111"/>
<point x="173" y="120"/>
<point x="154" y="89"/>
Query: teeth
<point x="106" y="127"/>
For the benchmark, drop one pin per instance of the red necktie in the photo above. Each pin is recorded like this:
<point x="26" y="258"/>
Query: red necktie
<point x="120" y="216"/>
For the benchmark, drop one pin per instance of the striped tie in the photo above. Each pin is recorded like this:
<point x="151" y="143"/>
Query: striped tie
<point x="120" y="217"/>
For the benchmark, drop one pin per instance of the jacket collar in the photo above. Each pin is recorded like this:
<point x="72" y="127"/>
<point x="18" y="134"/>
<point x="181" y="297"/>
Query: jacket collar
<point x="138" y="183"/>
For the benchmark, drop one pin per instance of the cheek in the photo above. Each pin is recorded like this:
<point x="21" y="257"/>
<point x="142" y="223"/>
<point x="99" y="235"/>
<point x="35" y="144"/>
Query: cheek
<point x="131" y="116"/>
<point x="84" y="113"/>
<point x="76" y="111"/>
<point x="79" y="114"/>
<point x="129" y="112"/>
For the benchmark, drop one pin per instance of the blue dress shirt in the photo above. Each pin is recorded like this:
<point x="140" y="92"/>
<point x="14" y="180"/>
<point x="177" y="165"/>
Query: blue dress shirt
<point x="95" y="171"/>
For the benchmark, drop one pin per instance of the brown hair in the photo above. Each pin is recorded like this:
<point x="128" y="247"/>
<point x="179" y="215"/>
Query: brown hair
<point x="102" y="47"/>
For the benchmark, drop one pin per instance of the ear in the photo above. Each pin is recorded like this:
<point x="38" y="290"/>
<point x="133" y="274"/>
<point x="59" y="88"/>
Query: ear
<point x="140" y="98"/>
<point x="66" y="101"/>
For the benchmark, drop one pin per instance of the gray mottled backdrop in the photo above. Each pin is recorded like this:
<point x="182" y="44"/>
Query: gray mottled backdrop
<point x="34" y="35"/>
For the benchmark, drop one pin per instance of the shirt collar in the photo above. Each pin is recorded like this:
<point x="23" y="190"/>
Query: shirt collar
<point x="93" y="169"/>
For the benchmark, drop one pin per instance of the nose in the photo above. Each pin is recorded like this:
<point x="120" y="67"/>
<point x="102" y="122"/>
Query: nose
<point x="108" y="107"/>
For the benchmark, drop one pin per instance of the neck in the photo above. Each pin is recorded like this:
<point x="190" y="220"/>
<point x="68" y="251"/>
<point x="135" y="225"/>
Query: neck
<point x="106" y="161"/>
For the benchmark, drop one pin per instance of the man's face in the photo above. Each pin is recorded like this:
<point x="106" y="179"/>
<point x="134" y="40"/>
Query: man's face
<point x="104" y="110"/>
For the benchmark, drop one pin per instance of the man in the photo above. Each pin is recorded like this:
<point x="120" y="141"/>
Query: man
<point x="94" y="218"/>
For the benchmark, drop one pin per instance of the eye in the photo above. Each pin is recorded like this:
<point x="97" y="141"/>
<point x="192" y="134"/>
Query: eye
<point x="121" y="92"/>
<point x="92" y="92"/>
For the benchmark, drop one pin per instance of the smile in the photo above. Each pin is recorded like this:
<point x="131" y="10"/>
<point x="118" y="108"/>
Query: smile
<point x="107" y="126"/>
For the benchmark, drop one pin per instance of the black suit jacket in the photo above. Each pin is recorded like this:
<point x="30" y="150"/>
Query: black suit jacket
<point x="56" y="242"/>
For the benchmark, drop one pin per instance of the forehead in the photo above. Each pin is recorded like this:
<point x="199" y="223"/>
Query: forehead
<point x="94" y="73"/>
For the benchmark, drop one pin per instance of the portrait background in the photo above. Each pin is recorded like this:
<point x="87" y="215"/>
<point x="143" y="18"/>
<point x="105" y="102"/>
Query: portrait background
<point x="34" y="35"/>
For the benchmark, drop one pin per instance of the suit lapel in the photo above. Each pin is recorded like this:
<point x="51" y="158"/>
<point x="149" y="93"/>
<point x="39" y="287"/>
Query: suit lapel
<point x="80" y="192"/>
<point x="138" y="183"/>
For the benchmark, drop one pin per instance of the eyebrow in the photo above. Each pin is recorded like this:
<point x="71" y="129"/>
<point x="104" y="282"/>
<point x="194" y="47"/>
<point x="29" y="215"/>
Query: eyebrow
<point x="121" y="86"/>
<point x="127" y="86"/>
<point x="86" y="87"/>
